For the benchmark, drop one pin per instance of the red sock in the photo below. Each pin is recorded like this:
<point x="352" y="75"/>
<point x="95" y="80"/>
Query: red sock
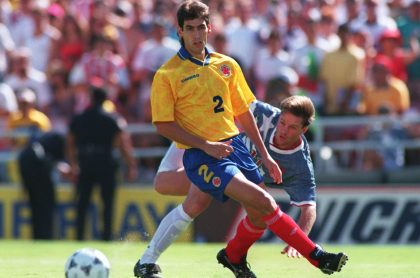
<point x="286" y="228"/>
<point x="246" y="235"/>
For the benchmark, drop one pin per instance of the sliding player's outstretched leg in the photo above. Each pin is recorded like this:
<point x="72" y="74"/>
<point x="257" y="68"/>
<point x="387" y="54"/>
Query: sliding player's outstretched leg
<point x="329" y="263"/>
<point x="240" y="270"/>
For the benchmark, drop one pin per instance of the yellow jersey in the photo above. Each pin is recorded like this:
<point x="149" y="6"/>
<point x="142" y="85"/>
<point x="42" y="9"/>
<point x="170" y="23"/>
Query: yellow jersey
<point x="35" y="118"/>
<point x="203" y="97"/>
<point x="34" y="122"/>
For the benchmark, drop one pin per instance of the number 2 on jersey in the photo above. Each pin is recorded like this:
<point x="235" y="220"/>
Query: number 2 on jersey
<point x="204" y="171"/>
<point x="219" y="104"/>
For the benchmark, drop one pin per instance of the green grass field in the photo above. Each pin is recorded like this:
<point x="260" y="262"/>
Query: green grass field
<point x="46" y="259"/>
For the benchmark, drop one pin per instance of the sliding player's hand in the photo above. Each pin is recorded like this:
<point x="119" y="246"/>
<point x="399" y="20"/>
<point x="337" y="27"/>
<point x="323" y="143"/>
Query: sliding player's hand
<point x="291" y="252"/>
<point x="273" y="169"/>
<point x="218" y="150"/>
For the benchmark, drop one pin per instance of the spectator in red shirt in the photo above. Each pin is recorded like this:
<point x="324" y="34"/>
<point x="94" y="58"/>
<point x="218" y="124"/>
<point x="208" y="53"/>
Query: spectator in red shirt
<point x="390" y="45"/>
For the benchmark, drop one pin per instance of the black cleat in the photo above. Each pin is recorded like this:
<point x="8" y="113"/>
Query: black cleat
<point x="329" y="262"/>
<point x="240" y="270"/>
<point x="147" y="270"/>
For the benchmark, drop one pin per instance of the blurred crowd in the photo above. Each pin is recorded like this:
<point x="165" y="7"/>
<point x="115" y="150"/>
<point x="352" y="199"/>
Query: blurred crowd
<point x="351" y="57"/>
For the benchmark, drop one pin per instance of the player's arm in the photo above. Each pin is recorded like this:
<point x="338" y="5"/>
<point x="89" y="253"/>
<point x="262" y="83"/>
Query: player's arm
<point x="247" y="122"/>
<point x="175" y="132"/>
<point x="123" y="141"/>
<point x="124" y="144"/>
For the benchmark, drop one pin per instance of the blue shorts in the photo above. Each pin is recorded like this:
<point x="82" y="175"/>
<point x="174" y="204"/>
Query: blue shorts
<point x="300" y="193"/>
<point x="212" y="175"/>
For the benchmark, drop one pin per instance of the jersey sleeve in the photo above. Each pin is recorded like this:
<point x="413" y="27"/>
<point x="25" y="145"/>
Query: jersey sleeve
<point x="242" y="95"/>
<point x="44" y="122"/>
<point x="266" y="117"/>
<point x="162" y="99"/>
<point x="263" y="113"/>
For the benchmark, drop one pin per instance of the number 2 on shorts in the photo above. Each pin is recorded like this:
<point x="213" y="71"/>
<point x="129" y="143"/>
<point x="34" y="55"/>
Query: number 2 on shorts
<point x="204" y="171"/>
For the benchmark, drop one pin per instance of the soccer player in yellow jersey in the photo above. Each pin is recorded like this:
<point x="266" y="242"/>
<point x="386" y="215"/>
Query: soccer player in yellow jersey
<point x="196" y="97"/>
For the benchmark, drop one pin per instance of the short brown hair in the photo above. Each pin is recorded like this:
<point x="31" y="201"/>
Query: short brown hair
<point x="192" y="9"/>
<point x="299" y="106"/>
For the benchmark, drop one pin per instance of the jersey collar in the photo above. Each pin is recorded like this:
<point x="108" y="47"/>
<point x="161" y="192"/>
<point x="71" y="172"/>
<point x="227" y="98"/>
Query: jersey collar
<point x="184" y="54"/>
<point x="289" y="151"/>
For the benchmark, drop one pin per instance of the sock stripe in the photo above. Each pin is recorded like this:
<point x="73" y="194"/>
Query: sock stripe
<point x="251" y="228"/>
<point x="272" y="218"/>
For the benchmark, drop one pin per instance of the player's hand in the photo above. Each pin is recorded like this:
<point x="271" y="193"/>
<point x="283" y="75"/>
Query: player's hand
<point x="64" y="169"/>
<point x="291" y="252"/>
<point x="218" y="150"/>
<point x="273" y="169"/>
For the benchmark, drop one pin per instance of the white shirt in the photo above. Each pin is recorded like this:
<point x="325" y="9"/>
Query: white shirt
<point x="36" y="80"/>
<point x="40" y="47"/>
<point x="21" y="27"/>
<point x="152" y="54"/>
<point x="375" y="30"/>
<point x="267" y="65"/>
<point x="300" y="60"/>
<point x="8" y="100"/>
<point x="6" y="44"/>
<point x="242" y="43"/>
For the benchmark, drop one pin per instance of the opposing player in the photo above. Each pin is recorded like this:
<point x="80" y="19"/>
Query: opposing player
<point x="282" y="132"/>
<point x="203" y="92"/>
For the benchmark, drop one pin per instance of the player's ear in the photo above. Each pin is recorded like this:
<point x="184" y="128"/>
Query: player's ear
<point x="209" y="28"/>
<point x="305" y="129"/>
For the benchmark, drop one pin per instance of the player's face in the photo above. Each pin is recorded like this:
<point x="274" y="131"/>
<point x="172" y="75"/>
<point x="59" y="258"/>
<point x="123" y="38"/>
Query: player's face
<point x="289" y="130"/>
<point x="194" y="33"/>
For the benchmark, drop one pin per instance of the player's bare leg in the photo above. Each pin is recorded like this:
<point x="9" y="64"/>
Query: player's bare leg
<point x="171" y="226"/>
<point x="258" y="202"/>
<point x="251" y="193"/>
<point x="174" y="183"/>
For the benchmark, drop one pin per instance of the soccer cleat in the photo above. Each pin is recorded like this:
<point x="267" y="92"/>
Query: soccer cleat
<point x="147" y="270"/>
<point x="240" y="270"/>
<point x="329" y="263"/>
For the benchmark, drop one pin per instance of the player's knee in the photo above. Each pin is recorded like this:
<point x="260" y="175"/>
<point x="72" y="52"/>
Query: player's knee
<point x="196" y="207"/>
<point x="265" y="203"/>
<point x="160" y="186"/>
<point x="194" y="210"/>
<point x="309" y="212"/>
<point x="171" y="183"/>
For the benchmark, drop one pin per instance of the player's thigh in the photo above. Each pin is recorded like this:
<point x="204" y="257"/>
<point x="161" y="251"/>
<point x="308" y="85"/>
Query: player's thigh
<point x="254" y="215"/>
<point x="249" y="194"/>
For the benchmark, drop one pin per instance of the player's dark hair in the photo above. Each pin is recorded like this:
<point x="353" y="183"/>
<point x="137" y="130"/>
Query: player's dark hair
<point x="98" y="95"/>
<point x="300" y="106"/>
<point x="192" y="9"/>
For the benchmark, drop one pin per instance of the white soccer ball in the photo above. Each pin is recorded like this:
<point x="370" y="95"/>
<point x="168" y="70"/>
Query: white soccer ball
<point x="87" y="263"/>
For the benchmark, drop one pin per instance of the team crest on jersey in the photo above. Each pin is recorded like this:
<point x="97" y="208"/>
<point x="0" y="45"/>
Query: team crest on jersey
<point x="216" y="181"/>
<point x="226" y="71"/>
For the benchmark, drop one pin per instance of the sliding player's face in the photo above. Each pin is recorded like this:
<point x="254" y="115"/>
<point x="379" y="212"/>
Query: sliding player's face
<point x="194" y="33"/>
<point x="289" y="129"/>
